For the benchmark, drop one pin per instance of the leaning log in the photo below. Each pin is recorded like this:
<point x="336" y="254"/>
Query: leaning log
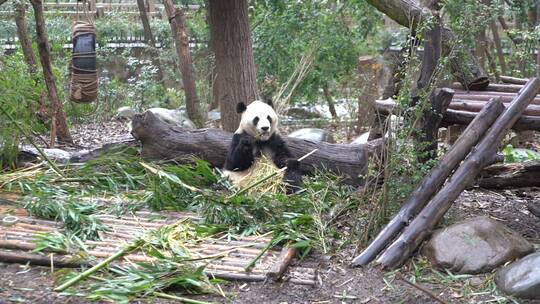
<point x="481" y="156"/>
<point x="432" y="181"/>
<point x="165" y="142"/>
<point x="515" y="175"/>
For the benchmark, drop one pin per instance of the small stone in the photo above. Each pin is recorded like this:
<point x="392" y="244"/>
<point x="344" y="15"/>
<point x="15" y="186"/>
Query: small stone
<point x="521" y="278"/>
<point x="313" y="134"/>
<point x="477" y="245"/>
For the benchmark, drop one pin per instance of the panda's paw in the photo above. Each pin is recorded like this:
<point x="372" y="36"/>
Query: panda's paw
<point x="247" y="141"/>
<point x="292" y="164"/>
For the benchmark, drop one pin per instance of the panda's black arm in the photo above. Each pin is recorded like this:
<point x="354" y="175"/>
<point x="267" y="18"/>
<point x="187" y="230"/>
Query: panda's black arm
<point x="282" y="155"/>
<point x="240" y="155"/>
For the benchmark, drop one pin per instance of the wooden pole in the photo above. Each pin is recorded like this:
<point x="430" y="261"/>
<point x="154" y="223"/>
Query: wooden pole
<point x="481" y="156"/>
<point x="59" y="124"/>
<point x="177" y="21"/>
<point x="432" y="181"/>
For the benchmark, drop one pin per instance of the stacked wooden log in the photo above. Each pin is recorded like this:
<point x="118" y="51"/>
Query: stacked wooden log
<point x="466" y="104"/>
<point x="427" y="205"/>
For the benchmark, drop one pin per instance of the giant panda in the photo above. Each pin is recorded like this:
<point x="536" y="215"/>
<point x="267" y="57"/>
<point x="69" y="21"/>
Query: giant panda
<point x="256" y="135"/>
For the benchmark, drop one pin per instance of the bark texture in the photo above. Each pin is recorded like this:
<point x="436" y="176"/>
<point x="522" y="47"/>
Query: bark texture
<point x="178" y="27"/>
<point x="59" y="124"/>
<point x="24" y="37"/>
<point x="235" y="65"/>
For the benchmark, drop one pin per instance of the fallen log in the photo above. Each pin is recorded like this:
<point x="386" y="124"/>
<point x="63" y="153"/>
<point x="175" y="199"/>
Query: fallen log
<point x="476" y="106"/>
<point x="456" y="117"/>
<point x="432" y="181"/>
<point x="283" y="261"/>
<point x="508" y="88"/>
<point x="161" y="141"/>
<point x="516" y="175"/>
<point x="37" y="259"/>
<point x="513" y="80"/>
<point x="480" y="157"/>
<point x="484" y="97"/>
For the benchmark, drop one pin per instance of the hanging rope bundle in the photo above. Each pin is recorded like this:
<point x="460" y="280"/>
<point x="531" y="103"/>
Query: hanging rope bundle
<point x="84" y="77"/>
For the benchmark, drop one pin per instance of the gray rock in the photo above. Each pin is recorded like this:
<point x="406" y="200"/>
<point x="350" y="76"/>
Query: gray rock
<point x="125" y="112"/>
<point x="173" y="117"/>
<point x="214" y="115"/>
<point x="360" y="140"/>
<point x="476" y="245"/>
<point x="313" y="134"/>
<point x="521" y="278"/>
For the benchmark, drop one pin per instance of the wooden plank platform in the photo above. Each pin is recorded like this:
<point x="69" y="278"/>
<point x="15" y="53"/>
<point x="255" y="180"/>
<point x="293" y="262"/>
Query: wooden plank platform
<point x="224" y="257"/>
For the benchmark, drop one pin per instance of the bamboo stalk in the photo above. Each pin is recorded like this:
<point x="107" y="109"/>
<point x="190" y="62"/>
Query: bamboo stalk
<point x="177" y="298"/>
<point x="29" y="138"/>
<point x="134" y="245"/>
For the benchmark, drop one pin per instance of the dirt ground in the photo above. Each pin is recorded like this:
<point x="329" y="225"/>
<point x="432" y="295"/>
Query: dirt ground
<point x="337" y="282"/>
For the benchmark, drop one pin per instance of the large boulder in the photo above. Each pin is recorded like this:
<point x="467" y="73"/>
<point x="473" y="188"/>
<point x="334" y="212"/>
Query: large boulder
<point x="476" y="245"/>
<point x="521" y="278"/>
<point x="175" y="117"/>
<point x="313" y="134"/>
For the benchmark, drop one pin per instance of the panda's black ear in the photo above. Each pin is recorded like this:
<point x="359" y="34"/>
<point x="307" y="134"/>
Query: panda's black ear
<point x="269" y="102"/>
<point x="240" y="107"/>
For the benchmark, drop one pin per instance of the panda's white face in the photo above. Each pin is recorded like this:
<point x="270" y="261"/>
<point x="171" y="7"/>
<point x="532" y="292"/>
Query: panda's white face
<point x="258" y="120"/>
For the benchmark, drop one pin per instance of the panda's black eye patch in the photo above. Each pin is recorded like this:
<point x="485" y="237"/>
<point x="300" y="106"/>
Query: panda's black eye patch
<point x="255" y="120"/>
<point x="269" y="118"/>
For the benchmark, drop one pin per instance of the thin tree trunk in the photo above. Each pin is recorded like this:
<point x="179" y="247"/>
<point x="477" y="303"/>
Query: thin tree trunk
<point x="498" y="46"/>
<point x="178" y="20"/>
<point x="149" y="37"/>
<point x="235" y="65"/>
<point x="481" y="156"/>
<point x="329" y="101"/>
<point x="428" y="127"/>
<point x="59" y="118"/>
<point x="480" y="52"/>
<point x="492" y="63"/>
<point x="24" y="37"/>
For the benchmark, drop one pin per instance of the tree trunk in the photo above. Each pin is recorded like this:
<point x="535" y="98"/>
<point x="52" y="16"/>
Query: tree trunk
<point x="428" y="128"/>
<point x="481" y="156"/>
<point x="178" y="27"/>
<point x="149" y="37"/>
<point x="235" y="65"/>
<point x="432" y="182"/>
<point x="480" y="48"/>
<point x="59" y="124"/>
<point x="163" y="142"/>
<point x="498" y="46"/>
<point x="464" y="67"/>
<point x="368" y="70"/>
<point x="24" y="37"/>
<point x="329" y="101"/>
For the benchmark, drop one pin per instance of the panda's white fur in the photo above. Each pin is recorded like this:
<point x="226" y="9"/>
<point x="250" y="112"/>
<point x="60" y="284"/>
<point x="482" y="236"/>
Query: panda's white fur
<point x="267" y="118"/>
<point x="266" y="126"/>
